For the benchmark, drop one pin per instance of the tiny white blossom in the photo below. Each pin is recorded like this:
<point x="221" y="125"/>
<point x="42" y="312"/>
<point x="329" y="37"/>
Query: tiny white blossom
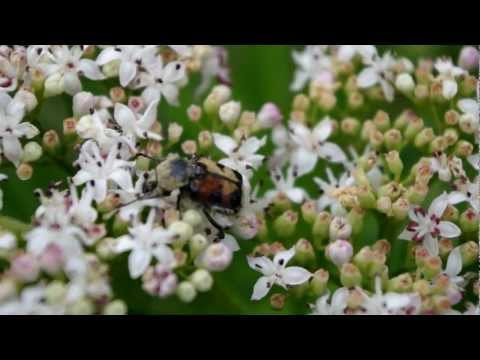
<point x="276" y="272"/>
<point x="286" y="185"/>
<point x="448" y="72"/>
<point x="347" y="52"/>
<point x="336" y="306"/>
<point x="326" y="200"/>
<point x="310" y="64"/>
<point x="378" y="71"/>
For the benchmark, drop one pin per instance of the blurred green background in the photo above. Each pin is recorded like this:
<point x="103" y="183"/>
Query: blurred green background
<point x="260" y="74"/>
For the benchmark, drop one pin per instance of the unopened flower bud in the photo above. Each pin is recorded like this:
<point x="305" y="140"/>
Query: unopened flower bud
<point x="304" y="252"/>
<point x="339" y="252"/>
<point x="115" y="308"/>
<point x="469" y="58"/>
<point x="111" y="69"/>
<point x="83" y="104"/>
<point x="194" y="113"/>
<point x="363" y="259"/>
<point x="321" y="228"/>
<point x="24" y="267"/>
<point x="309" y="212"/>
<point x="205" y="139"/>
<point x="241" y="133"/>
<point x="217" y="257"/>
<point x="376" y="139"/>
<point x="463" y="149"/>
<point x="327" y="101"/>
<point x="405" y="83"/>
<point x="106" y="248"/>
<point x="355" y="218"/>
<point x="468" y="86"/>
<point x="432" y="266"/>
<point x="355" y="100"/>
<point x="468" y="123"/>
<point x="424" y="137"/>
<point x="421" y="92"/>
<point x="469" y="253"/>
<point x="382" y="120"/>
<point x="417" y="193"/>
<point x="202" y="280"/>
<point x="384" y="205"/>
<point x="421" y="287"/>
<point x="469" y="221"/>
<point x="189" y="147"/>
<point x="450" y="136"/>
<point x="53" y="85"/>
<point x="159" y="281"/>
<point x="55" y="293"/>
<point x="298" y="116"/>
<point x="350" y="126"/>
<point x="24" y="171"/>
<point x="32" y="151"/>
<point x="269" y="116"/>
<point x="27" y="98"/>
<point x="319" y="281"/>
<point x="400" y="209"/>
<point x="174" y="132"/>
<point x="400" y="284"/>
<point x="183" y="232"/>
<point x="286" y="223"/>
<point x="70" y="127"/>
<point x="367" y="128"/>
<point x="366" y="198"/>
<point x="50" y="141"/>
<point x="393" y="139"/>
<point x="441" y="304"/>
<point x="451" y="213"/>
<point x="382" y="246"/>
<point x="186" y="292"/>
<point x="340" y="228"/>
<point x="277" y="301"/>
<point x="350" y="276"/>
<point x="230" y="112"/>
<point x="81" y="307"/>
<point x="117" y="94"/>
<point x="301" y="102"/>
<point x="415" y="125"/>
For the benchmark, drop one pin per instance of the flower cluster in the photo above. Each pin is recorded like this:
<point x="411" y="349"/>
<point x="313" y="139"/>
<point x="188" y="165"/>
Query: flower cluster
<point x="363" y="199"/>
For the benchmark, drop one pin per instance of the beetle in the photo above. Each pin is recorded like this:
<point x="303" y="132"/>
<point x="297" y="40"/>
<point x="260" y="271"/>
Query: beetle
<point x="210" y="184"/>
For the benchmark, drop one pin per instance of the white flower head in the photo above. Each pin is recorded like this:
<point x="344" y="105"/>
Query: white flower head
<point x="310" y="63"/>
<point x="286" y="185"/>
<point x="378" y="71"/>
<point x="276" y="272"/>
<point x="336" y="306"/>
<point x="447" y="73"/>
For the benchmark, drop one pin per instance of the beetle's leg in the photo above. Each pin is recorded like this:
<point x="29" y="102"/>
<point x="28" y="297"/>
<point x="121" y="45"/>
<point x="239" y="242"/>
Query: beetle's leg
<point x="221" y="233"/>
<point x="179" y="198"/>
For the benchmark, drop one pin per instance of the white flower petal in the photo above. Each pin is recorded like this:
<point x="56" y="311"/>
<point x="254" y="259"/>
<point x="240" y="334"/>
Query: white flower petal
<point x="138" y="261"/>
<point x="295" y="275"/>
<point x="332" y="152"/>
<point x="367" y="78"/>
<point x="450" y="89"/>
<point x="261" y="288"/>
<point x="449" y="230"/>
<point x="127" y="72"/>
<point x="454" y="263"/>
<point x="72" y="84"/>
<point x="107" y="55"/>
<point x="90" y="69"/>
<point x="12" y="149"/>
<point x="469" y="106"/>
<point x="431" y="244"/>
<point x="304" y="160"/>
<point x="283" y="257"/>
<point x="224" y="143"/>
<point x="261" y="264"/>
<point x="123" y="179"/>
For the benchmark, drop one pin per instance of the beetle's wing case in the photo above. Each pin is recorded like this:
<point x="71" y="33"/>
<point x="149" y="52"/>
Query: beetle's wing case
<point x="215" y="168"/>
<point x="173" y="173"/>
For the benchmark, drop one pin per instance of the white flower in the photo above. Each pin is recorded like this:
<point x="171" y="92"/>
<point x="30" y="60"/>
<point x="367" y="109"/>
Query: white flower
<point x="452" y="271"/>
<point x="310" y="63"/>
<point x="98" y="170"/>
<point x="161" y="80"/>
<point x="326" y="200"/>
<point x="312" y="144"/>
<point x="135" y="126"/>
<point x="467" y="192"/>
<point x="30" y="302"/>
<point x="440" y="164"/>
<point x="12" y="129"/>
<point x="374" y="175"/>
<point x="214" y="66"/>
<point x="146" y="241"/>
<point x="378" y="71"/>
<point x="68" y="63"/>
<point x="471" y="111"/>
<point x="427" y="227"/>
<point x="94" y="127"/>
<point x="276" y="272"/>
<point x="337" y="305"/>
<point x="8" y="75"/>
<point x="390" y="303"/>
<point x="286" y="185"/>
<point x="8" y="241"/>
<point x="230" y="112"/>
<point x="347" y="52"/>
<point x="242" y="157"/>
<point x="448" y="72"/>
<point x="130" y="57"/>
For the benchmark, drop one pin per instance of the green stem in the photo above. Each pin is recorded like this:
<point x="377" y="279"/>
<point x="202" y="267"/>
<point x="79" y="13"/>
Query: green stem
<point x="15" y="226"/>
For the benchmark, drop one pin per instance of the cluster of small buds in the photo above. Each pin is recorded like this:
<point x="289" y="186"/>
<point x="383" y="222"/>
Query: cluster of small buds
<point x="388" y="223"/>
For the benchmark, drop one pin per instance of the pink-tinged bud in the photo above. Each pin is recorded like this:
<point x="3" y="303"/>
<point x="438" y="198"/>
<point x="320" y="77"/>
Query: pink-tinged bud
<point x="469" y="253"/>
<point x="247" y="226"/>
<point x="463" y="149"/>
<point x="52" y="259"/>
<point x="454" y="295"/>
<point x="189" y="147"/>
<point x="339" y="252"/>
<point x="25" y="267"/>
<point x="136" y="103"/>
<point x="421" y="255"/>
<point x="269" y="116"/>
<point x="301" y="102"/>
<point x="400" y="284"/>
<point x="469" y="58"/>
<point x="286" y="223"/>
<point x="277" y="301"/>
<point x="445" y="246"/>
<point x="159" y="281"/>
<point x="319" y="282"/>
<point x="309" y="211"/>
<point x="441" y="304"/>
<point x="382" y="120"/>
<point x="304" y="252"/>
<point x="51" y="141"/>
<point x="83" y="104"/>
<point x="194" y="113"/>
<point x="70" y="126"/>
<point x="432" y="266"/>
<point x="217" y="257"/>
<point x="174" y="132"/>
<point x="469" y="221"/>
<point x="340" y="228"/>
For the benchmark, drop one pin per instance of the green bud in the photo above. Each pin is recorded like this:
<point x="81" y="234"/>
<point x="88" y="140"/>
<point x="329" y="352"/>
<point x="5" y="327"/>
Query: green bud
<point x="106" y="248"/>
<point x="186" y="292"/>
<point x="24" y="171"/>
<point x="111" y="69"/>
<point x="400" y="284"/>
<point x="421" y="92"/>
<point x="376" y="139"/>
<point x="400" y="209"/>
<point x="319" y="281"/>
<point x="51" y="141"/>
<point x="414" y="126"/>
<point x="183" y="233"/>
<point x="432" y="266"/>
<point x="286" y="223"/>
<point x="468" y="86"/>
<point x="384" y="205"/>
<point x="350" y="276"/>
<point x="355" y="100"/>
<point x="422" y="287"/>
<point x="439" y="144"/>
<point x="469" y="253"/>
<point x="32" y="152"/>
<point x="55" y="292"/>
<point x="445" y="246"/>
<point x="424" y="137"/>
<point x="356" y="218"/>
<point x="417" y="193"/>
<point x="202" y="280"/>
<point x="304" y="252"/>
<point x="367" y="128"/>
<point x="192" y="217"/>
<point x="115" y="308"/>
<point x="451" y="136"/>
<point x="197" y="244"/>
<point x="394" y="163"/>
<point x="451" y="213"/>
<point x="393" y="139"/>
<point x="463" y="149"/>
<point x="280" y="204"/>
<point x="350" y="126"/>
<point x="321" y="229"/>
<point x="469" y="221"/>
<point x="382" y="120"/>
<point x="82" y="307"/>
<point x="366" y="198"/>
<point x="392" y="190"/>
<point x="309" y="212"/>
<point x="142" y="163"/>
